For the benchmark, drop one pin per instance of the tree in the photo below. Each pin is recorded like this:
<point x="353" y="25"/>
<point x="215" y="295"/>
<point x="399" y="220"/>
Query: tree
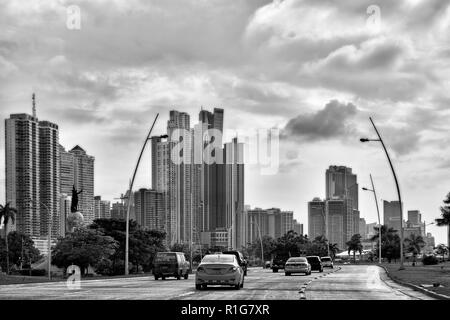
<point x="143" y="244"/>
<point x="84" y="248"/>
<point x="390" y="242"/>
<point x="445" y="218"/>
<point x="334" y="249"/>
<point x="442" y="249"/>
<point x="21" y="249"/>
<point x="414" y="244"/>
<point x="355" y="245"/>
<point x="7" y="213"/>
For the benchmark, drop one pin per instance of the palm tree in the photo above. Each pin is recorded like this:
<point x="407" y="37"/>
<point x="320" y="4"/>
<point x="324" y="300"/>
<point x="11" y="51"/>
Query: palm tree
<point x="7" y="213"/>
<point x="414" y="244"/>
<point x="445" y="218"/>
<point x="334" y="249"/>
<point x="355" y="245"/>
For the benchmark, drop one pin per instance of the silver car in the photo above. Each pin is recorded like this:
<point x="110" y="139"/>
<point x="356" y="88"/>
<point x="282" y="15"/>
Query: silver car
<point x="297" y="265"/>
<point x="327" y="262"/>
<point x="219" y="269"/>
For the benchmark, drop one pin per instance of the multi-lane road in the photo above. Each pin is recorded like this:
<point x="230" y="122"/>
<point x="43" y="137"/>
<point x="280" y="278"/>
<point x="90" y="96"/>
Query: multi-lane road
<point x="343" y="283"/>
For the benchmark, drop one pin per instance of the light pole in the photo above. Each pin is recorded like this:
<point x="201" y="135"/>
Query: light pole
<point x="378" y="212"/>
<point x="260" y="240"/>
<point x="396" y="184"/>
<point x="127" y="228"/>
<point x="49" y="238"/>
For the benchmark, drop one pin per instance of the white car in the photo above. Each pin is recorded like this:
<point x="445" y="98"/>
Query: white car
<point x="219" y="269"/>
<point x="327" y="262"/>
<point x="297" y="265"/>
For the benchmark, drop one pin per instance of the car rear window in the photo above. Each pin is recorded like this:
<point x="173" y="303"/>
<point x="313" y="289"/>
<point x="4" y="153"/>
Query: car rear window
<point x="313" y="259"/>
<point x="297" y="260"/>
<point x="325" y="259"/>
<point x="166" y="257"/>
<point x="220" y="258"/>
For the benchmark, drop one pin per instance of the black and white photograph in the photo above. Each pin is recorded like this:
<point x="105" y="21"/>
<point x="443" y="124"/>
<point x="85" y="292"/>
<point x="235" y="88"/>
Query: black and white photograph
<point x="222" y="158"/>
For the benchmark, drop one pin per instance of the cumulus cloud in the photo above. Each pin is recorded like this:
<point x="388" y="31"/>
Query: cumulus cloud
<point x="334" y="121"/>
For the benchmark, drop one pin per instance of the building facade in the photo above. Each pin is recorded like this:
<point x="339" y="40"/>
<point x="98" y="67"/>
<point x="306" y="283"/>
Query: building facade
<point x="102" y="208"/>
<point x="149" y="209"/>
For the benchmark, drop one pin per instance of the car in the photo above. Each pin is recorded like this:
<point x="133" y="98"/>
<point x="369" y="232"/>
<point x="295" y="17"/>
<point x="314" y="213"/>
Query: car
<point x="170" y="264"/>
<point x="315" y="262"/>
<point x="297" y="265"/>
<point x="327" y="262"/>
<point x="240" y="258"/>
<point x="219" y="269"/>
<point x="278" y="262"/>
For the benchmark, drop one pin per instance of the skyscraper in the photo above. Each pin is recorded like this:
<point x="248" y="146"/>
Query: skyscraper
<point x="341" y="183"/>
<point x="49" y="173"/>
<point x="298" y="227"/>
<point x="149" y="208"/>
<point x="77" y="168"/>
<point x="257" y="224"/>
<point x="316" y="218"/>
<point x="391" y="213"/>
<point x="287" y="222"/>
<point x="22" y="172"/>
<point x="234" y="190"/>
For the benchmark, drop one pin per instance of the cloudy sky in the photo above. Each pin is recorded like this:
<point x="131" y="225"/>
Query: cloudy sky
<point x="315" y="70"/>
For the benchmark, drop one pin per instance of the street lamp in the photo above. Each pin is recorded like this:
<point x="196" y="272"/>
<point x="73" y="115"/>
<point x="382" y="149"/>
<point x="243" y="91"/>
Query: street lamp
<point x="396" y="184"/>
<point x="260" y="240"/>
<point x="378" y="212"/>
<point x="49" y="236"/>
<point x="127" y="231"/>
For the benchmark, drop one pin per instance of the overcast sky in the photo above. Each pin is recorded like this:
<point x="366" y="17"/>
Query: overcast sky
<point x="314" y="69"/>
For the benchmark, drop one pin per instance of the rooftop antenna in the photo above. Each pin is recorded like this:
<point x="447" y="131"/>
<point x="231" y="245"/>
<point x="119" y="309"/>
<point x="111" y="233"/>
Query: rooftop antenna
<point x="33" y="97"/>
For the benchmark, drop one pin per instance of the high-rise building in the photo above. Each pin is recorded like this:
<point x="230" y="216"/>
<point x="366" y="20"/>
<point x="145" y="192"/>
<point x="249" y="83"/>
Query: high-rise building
<point x="22" y="172"/>
<point x="49" y="178"/>
<point x="77" y="169"/>
<point x="370" y="230"/>
<point x="340" y="221"/>
<point x="32" y="174"/>
<point x="149" y="209"/>
<point x="342" y="183"/>
<point x="119" y="211"/>
<point x="234" y="190"/>
<point x="102" y="208"/>
<point x="287" y="222"/>
<point x="298" y="227"/>
<point x="316" y="218"/>
<point x="391" y="210"/>
<point x="65" y="202"/>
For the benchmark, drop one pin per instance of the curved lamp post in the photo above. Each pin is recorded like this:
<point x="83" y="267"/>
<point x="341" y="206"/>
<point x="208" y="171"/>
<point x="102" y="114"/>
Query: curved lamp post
<point x="378" y="212"/>
<point x="396" y="184"/>
<point x="127" y="231"/>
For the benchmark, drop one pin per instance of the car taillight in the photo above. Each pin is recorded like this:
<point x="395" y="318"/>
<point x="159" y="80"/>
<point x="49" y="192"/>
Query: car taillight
<point x="200" y="269"/>
<point x="232" y="269"/>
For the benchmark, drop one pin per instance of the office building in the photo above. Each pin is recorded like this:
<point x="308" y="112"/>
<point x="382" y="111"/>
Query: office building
<point x="370" y="230"/>
<point x="65" y="202"/>
<point x="257" y="224"/>
<point x="119" y="211"/>
<point x="340" y="221"/>
<point x="316" y="218"/>
<point x="391" y="210"/>
<point x="287" y="222"/>
<point x="341" y="183"/>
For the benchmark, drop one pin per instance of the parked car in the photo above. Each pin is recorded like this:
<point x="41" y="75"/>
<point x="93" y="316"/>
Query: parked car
<point x="170" y="264"/>
<point x="219" y="269"/>
<point x="240" y="258"/>
<point x="278" y="262"/>
<point x="316" y="263"/>
<point x="327" y="262"/>
<point x="297" y="265"/>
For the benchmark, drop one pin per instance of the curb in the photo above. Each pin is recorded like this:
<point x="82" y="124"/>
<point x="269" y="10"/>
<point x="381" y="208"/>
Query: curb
<point x="416" y="288"/>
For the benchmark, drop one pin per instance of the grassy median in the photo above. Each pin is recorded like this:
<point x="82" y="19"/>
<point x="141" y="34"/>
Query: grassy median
<point x="423" y="275"/>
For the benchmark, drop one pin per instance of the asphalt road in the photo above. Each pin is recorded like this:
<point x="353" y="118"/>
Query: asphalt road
<point x="350" y="282"/>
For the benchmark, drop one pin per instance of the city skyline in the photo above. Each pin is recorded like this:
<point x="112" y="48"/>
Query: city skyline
<point x="268" y="69"/>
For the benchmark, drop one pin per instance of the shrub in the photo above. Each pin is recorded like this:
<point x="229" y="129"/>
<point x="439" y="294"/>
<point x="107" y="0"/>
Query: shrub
<point x="430" y="260"/>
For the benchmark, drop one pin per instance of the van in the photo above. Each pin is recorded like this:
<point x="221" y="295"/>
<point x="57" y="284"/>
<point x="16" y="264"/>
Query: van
<point x="170" y="264"/>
